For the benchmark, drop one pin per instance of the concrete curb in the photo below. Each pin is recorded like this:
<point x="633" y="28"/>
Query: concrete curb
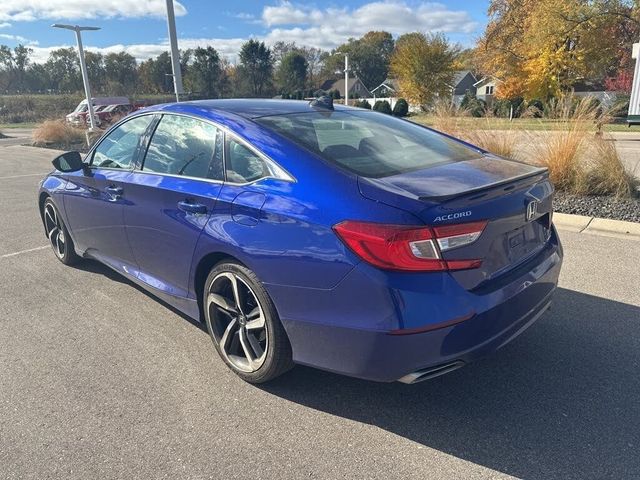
<point x="597" y="226"/>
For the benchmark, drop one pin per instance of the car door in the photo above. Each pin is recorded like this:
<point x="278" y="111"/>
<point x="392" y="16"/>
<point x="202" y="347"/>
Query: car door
<point x="94" y="202"/>
<point x="172" y="194"/>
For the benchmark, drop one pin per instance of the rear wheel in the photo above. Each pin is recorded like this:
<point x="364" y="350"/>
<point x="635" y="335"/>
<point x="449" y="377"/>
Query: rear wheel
<point x="58" y="235"/>
<point x="244" y="324"/>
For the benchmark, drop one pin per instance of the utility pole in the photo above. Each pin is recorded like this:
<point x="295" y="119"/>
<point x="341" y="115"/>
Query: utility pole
<point x="83" y="68"/>
<point x="175" y="54"/>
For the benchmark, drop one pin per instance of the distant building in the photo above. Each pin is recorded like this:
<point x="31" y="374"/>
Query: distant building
<point x="463" y="82"/>
<point x="388" y="88"/>
<point x="356" y="87"/>
<point x="486" y="89"/>
<point x="596" y="90"/>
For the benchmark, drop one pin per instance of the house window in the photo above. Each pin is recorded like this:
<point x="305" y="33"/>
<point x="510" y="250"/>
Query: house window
<point x="490" y="89"/>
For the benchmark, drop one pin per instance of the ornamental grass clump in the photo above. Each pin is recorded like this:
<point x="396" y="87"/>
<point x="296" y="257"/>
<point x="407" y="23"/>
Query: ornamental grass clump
<point x="58" y="133"/>
<point x="561" y="151"/>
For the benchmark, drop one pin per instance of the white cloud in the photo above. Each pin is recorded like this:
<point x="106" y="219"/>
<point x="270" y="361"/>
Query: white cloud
<point x="228" y="47"/>
<point x="332" y="26"/>
<point x="18" y="39"/>
<point x="29" y="10"/>
<point x="4" y="24"/>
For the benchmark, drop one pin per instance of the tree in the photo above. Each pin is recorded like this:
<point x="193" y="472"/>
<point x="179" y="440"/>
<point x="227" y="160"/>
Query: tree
<point x="256" y="66"/>
<point x="95" y="71"/>
<point x="63" y="69"/>
<point x="154" y="74"/>
<point x="205" y="73"/>
<point x="540" y="48"/>
<point x="13" y="67"/>
<point x="424" y="67"/>
<point x="369" y="58"/>
<point x="291" y="75"/>
<point x="121" y="71"/>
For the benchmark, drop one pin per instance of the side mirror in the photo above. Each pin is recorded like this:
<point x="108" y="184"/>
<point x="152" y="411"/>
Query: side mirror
<point x="69" y="162"/>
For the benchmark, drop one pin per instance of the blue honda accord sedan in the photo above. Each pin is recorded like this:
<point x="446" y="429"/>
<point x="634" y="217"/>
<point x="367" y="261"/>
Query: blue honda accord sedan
<point x="307" y="233"/>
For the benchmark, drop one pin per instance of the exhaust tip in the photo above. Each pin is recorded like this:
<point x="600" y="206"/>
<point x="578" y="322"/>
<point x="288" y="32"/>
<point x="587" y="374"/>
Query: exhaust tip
<point x="431" y="372"/>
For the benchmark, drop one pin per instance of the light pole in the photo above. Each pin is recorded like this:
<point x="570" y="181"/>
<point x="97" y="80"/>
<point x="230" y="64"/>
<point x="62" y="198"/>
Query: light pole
<point x="346" y="78"/>
<point x="175" y="54"/>
<point x="83" y="67"/>
<point x="633" y="116"/>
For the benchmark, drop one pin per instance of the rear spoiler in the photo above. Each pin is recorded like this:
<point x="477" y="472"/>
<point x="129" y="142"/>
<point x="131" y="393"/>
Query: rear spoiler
<point x="477" y="192"/>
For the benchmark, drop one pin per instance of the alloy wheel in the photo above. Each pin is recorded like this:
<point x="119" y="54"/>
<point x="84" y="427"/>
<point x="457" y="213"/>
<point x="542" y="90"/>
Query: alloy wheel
<point x="237" y="322"/>
<point x="55" y="230"/>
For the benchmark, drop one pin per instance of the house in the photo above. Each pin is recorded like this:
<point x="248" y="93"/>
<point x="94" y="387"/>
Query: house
<point x="388" y="88"/>
<point x="486" y="89"/>
<point x="596" y="90"/>
<point x="463" y="82"/>
<point x="356" y="87"/>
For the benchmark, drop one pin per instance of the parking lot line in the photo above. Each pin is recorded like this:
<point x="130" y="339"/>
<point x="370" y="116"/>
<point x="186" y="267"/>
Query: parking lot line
<point x="25" y="175"/>
<point x="7" y="255"/>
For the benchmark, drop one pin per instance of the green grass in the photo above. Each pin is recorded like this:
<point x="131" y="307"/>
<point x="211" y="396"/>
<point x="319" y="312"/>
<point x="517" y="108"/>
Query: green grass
<point x="532" y="124"/>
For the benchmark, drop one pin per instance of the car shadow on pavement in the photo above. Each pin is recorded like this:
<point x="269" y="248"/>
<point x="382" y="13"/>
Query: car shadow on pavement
<point x="93" y="266"/>
<point x="560" y="401"/>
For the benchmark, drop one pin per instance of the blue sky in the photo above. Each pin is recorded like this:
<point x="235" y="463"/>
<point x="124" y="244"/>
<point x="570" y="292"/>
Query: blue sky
<point x="139" y="26"/>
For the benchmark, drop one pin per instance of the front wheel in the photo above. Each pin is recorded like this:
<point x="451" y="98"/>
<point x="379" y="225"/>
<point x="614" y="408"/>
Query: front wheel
<point x="244" y="325"/>
<point x="58" y="234"/>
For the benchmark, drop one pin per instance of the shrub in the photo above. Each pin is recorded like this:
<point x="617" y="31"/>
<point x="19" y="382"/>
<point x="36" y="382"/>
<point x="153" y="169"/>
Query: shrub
<point x="58" y="133"/>
<point x="475" y="106"/>
<point x="502" y="107"/>
<point x="401" y="108"/>
<point x="362" y="104"/>
<point x="382" y="106"/>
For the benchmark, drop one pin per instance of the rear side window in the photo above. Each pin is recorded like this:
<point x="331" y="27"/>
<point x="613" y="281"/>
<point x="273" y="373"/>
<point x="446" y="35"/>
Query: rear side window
<point x="118" y="149"/>
<point x="367" y="143"/>
<point x="185" y="146"/>
<point x="243" y="164"/>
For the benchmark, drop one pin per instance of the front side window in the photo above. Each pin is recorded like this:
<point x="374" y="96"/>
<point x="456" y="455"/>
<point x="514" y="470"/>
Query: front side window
<point x="185" y="146"/>
<point x="368" y="143"/>
<point x="118" y="149"/>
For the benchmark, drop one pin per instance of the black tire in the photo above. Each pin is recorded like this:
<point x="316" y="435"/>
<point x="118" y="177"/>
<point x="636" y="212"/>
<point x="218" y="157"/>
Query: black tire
<point x="58" y="235"/>
<point x="272" y="340"/>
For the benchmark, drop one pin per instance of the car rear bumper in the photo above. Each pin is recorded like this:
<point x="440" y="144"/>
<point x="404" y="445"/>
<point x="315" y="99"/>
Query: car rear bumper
<point x="478" y="324"/>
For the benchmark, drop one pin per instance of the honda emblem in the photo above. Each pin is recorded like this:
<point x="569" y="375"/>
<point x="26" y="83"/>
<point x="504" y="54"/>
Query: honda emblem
<point x="532" y="209"/>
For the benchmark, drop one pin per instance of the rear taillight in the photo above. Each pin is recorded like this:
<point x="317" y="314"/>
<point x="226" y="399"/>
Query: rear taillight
<point x="407" y="247"/>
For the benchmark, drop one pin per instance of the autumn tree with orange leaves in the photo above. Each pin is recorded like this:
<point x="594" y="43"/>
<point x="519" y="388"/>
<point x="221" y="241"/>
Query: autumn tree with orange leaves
<point x="540" y="48"/>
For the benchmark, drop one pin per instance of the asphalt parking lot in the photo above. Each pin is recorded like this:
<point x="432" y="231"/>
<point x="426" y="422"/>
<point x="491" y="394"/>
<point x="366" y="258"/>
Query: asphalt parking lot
<point x="100" y="380"/>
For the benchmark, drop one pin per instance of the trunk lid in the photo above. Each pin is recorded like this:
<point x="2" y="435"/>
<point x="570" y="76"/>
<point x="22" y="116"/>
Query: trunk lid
<point x="515" y="199"/>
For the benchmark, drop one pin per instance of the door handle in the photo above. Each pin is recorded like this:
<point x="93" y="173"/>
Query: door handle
<point x="187" y="206"/>
<point x="114" y="190"/>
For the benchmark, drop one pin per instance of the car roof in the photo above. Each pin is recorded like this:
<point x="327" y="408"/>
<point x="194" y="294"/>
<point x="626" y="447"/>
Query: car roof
<point x="243" y="107"/>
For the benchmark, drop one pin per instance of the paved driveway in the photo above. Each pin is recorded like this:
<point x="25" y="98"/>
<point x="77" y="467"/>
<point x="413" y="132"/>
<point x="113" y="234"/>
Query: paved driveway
<point x="100" y="380"/>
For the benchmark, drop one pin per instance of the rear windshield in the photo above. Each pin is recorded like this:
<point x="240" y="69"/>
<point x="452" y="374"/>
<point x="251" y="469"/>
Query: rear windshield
<point x="367" y="143"/>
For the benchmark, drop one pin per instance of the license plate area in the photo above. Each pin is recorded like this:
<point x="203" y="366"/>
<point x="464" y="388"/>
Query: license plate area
<point x="528" y="238"/>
